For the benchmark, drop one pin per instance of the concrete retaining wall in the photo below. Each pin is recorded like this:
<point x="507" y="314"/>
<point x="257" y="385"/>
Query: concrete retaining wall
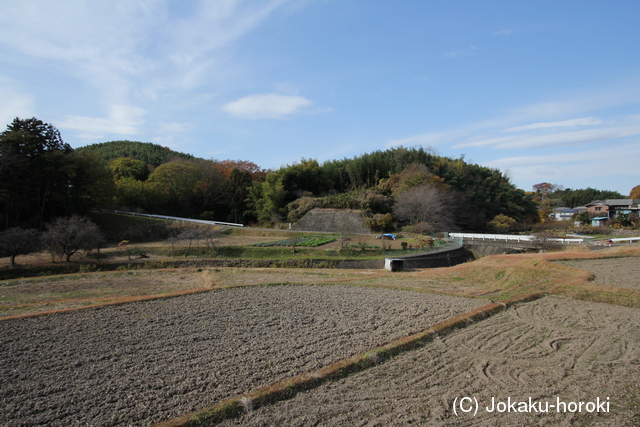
<point x="332" y="221"/>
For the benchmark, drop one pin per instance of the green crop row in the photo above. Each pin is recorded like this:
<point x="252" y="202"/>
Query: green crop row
<point x="309" y="242"/>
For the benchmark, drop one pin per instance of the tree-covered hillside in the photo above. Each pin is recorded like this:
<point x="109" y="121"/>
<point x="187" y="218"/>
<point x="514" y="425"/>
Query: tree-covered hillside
<point x="42" y="177"/>
<point x="467" y="195"/>
<point x="152" y="154"/>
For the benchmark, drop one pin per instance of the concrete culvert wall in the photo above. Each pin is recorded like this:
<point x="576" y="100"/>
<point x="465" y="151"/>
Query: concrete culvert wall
<point x="332" y="221"/>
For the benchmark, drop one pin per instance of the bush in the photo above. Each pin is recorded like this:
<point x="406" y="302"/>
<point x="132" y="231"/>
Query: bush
<point x="502" y="223"/>
<point x="378" y="222"/>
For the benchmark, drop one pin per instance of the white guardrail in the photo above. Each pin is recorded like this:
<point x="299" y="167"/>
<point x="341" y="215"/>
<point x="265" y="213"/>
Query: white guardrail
<point x="175" y="218"/>
<point x="511" y="238"/>
<point x="626" y="239"/>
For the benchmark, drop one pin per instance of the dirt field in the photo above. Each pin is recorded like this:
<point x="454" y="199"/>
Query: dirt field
<point x="620" y="272"/>
<point x="549" y="349"/>
<point x="140" y="363"/>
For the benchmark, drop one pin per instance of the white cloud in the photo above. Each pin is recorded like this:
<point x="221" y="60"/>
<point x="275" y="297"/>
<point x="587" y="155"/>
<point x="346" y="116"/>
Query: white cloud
<point x="13" y="105"/>
<point x="585" y="121"/>
<point x="468" y="51"/>
<point x="131" y="48"/>
<point x="570" y="168"/>
<point x="504" y="32"/>
<point x="122" y="120"/>
<point x="269" y="106"/>
<point x="555" y="139"/>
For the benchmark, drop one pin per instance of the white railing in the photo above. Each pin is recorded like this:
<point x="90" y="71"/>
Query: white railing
<point x="175" y="218"/>
<point x="626" y="239"/>
<point x="510" y="238"/>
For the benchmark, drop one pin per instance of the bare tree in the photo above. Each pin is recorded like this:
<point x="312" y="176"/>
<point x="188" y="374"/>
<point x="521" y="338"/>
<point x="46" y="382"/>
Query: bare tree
<point x="429" y="208"/>
<point x="210" y="238"/>
<point x="295" y="240"/>
<point x="345" y="235"/>
<point x="66" y="236"/>
<point x="17" y="241"/>
<point x="192" y="234"/>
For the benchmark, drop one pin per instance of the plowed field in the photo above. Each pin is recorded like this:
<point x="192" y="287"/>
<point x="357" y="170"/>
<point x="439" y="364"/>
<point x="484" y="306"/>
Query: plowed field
<point x="139" y="363"/>
<point x="553" y="348"/>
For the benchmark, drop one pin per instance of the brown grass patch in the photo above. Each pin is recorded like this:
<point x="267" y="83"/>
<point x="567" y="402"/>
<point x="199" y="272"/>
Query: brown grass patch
<point x="506" y="276"/>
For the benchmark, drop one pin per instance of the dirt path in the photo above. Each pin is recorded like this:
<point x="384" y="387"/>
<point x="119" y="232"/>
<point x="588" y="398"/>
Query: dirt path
<point x="548" y="349"/>
<point x="621" y="272"/>
<point x="145" y="362"/>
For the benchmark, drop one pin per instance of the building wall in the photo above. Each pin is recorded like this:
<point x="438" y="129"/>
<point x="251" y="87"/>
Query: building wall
<point x="599" y="209"/>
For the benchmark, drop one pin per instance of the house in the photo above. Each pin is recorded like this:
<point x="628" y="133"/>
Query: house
<point x="599" y="221"/>
<point x="613" y="207"/>
<point x="599" y="208"/>
<point x="562" y="214"/>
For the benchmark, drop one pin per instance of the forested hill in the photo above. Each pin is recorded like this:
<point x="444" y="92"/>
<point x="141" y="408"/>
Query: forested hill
<point x="42" y="178"/>
<point x="152" y="154"/>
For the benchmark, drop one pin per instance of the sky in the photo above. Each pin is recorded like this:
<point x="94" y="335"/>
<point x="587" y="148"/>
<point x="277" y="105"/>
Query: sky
<point x="545" y="91"/>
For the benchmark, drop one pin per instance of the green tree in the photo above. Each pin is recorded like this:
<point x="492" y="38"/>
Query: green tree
<point x="125" y="167"/>
<point x="209" y="188"/>
<point x="176" y="181"/>
<point x="581" y="197"/>
<point x="236" y="193"/>
<point x="502" y="223"/>
<point x="90" y="182"/>
<point x="34" y="171"/>
<point x="131" y="194"/>
<point x="306" y="176"/>
<point x="148" y="153"/>
<point x="266" y="199"/>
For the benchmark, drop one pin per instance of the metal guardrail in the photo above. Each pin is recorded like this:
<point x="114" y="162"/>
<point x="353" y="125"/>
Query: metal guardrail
<point x="528" y="238"/>
<point x="175" y="218"/>
<point x="626" y="239"/>
<point x="511" y="238"/>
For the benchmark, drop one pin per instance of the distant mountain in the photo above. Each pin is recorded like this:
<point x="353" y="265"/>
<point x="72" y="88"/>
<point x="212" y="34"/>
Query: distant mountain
<point x="147" y="152"/>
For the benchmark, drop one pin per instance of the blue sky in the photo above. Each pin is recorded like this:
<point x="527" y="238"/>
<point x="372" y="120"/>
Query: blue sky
<point x="543" y="90"/>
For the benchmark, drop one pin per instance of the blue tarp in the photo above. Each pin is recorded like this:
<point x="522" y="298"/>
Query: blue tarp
<point x="386" y="235"/>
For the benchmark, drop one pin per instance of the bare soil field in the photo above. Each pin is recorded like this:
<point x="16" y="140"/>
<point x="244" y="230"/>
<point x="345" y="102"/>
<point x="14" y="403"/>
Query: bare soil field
<point x="144" y="362"/>
<point x="621" y="272"/>
<point x="549" y="349"/>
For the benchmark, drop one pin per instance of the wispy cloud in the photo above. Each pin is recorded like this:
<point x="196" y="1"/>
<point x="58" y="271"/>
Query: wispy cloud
<point x="585" y="121"/>
<point x="544" y="142"/>
<point x="504" y="32"/>
<point x="571" y="167"/>
<point x="122" y="120"/>
<point x="459" y="53"/>
<point x="269" y="106"/>
<point x="555" y="139"/>
<point x="14" y="104"/>
<point x="132" y="52"/>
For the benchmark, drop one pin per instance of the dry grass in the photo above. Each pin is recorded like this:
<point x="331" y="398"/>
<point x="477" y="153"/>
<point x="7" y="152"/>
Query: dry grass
<point x="499" y="277"/>
<point x="505" y="276"/>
